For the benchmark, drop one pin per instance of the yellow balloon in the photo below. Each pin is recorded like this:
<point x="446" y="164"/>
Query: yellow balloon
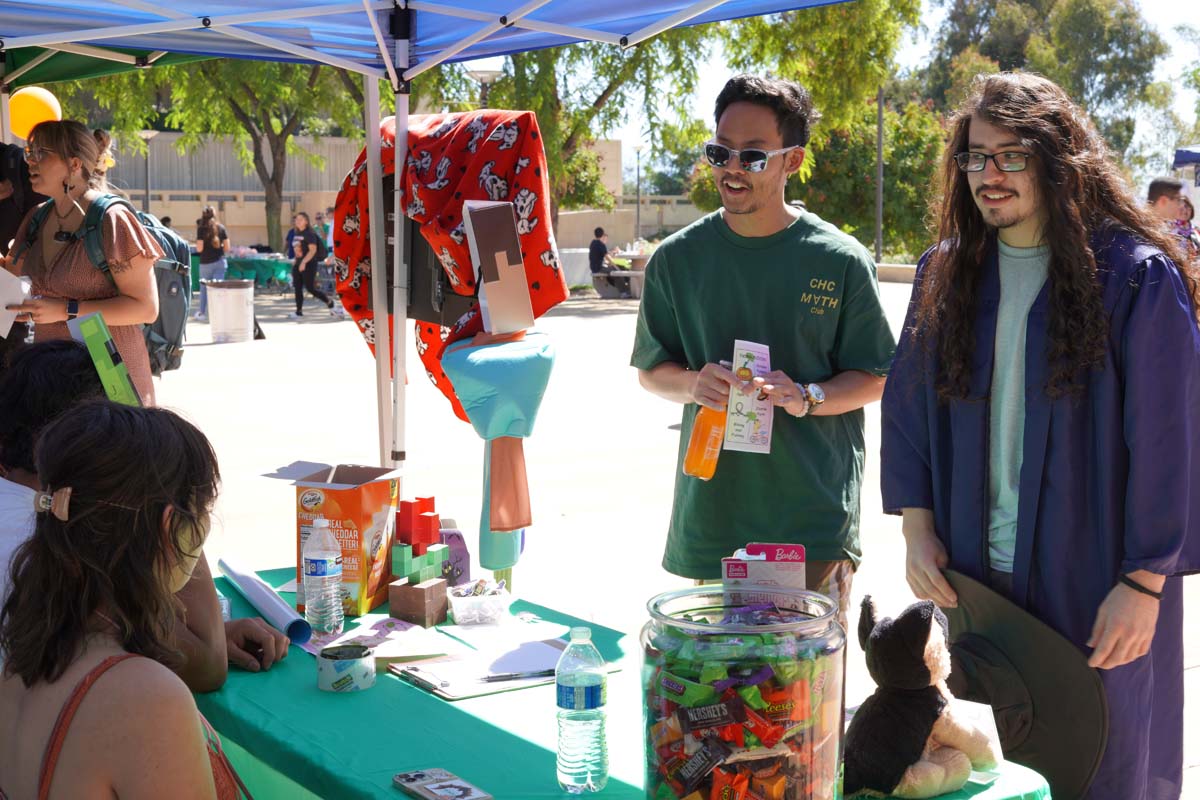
<point x="30" y="106"/>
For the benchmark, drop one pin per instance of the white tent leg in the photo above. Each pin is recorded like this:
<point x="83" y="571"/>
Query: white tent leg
<point x="379" y="268"/>
<point x="6" y="134"/>
<point x="400" y="298"/>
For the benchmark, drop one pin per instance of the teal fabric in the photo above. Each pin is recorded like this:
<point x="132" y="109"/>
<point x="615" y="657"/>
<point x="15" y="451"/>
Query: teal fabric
<point x="287" y="731"/>
<point x="501" y="385"/>
<point x="1022" y="274"/>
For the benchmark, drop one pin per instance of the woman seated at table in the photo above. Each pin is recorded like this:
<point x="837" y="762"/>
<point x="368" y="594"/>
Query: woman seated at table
<point x="44" y="381"/>
<point x="88" y="704"/>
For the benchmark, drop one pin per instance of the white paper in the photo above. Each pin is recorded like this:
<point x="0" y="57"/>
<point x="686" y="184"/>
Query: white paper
<point x="13" y="291"/>
<point x="262" y="597"/>
<point x="748" y="419"/>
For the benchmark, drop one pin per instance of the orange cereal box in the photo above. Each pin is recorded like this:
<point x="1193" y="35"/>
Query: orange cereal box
<point x="360" y="504"/>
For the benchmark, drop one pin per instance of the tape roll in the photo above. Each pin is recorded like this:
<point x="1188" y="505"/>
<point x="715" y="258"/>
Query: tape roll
<point x="346" y="668"/>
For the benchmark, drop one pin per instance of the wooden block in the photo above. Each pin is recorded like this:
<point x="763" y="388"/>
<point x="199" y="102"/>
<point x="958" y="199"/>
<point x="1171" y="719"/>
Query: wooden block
<point x="424" y="604"/>
<point x="402" y="560"/>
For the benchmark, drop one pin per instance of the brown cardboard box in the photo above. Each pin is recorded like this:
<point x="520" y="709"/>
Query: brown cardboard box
<point x="360" y="504"/>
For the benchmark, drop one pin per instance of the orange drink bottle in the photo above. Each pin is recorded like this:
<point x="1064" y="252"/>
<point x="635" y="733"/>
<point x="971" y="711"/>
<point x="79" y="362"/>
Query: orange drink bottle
<point x="704" y="447"/>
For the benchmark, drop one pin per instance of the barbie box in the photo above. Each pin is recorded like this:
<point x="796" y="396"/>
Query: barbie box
<point x="360" y="504"/>
<point x="765" y="564"/>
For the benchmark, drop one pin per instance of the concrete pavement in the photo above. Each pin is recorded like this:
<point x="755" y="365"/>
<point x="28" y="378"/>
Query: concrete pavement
<point x="601" y="463"/>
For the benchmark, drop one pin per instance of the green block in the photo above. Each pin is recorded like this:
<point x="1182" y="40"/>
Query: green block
<point x="426" y="573"/>
<point x="439" y="553"/>
<point x="402" y="560"/>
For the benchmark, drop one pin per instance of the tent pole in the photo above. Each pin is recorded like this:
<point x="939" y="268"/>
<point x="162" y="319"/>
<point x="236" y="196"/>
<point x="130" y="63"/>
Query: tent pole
<point x="6" y="134"/>
<point x="378" y="234"/>
<point x="400" y="264"/>
<point x="879" y="176"/>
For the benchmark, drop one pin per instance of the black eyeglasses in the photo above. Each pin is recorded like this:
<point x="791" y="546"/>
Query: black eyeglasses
<point x="1005" y="162"/>
<point x="752" y="160"/>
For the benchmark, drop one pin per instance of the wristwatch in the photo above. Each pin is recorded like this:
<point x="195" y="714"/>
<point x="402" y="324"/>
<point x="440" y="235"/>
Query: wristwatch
<point x="813" y="393"/>
<point x="72" y="309"/>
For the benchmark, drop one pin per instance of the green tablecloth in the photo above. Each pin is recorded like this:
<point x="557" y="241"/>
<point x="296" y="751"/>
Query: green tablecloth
<point x="288" y="739"/>
<point x="284" y="733"/>
<point x="259" y="270"/>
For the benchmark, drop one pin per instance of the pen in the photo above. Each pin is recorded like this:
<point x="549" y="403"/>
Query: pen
<point x="516" y="676"/>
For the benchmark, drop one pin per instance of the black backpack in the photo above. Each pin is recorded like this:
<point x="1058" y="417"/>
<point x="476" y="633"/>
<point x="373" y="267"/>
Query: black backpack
<point x="172" y="274"/>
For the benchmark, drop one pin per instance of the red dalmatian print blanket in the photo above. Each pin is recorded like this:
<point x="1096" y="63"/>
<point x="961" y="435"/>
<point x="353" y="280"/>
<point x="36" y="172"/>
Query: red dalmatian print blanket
<point x="481" y="155"/>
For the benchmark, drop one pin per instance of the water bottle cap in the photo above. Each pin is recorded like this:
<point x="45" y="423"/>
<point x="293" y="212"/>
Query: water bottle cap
<point x="581" y="634"/>
<point x="320" y="522"/>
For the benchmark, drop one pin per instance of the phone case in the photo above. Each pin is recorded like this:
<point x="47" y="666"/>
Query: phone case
<point x="438" y="784"/>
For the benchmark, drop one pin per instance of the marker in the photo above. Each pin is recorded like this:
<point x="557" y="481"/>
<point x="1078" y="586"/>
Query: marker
<point x="517" y="676"/>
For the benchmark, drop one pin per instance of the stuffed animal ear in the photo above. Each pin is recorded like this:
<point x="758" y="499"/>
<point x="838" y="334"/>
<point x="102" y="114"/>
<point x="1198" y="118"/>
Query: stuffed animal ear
<point x="866" y="622"/>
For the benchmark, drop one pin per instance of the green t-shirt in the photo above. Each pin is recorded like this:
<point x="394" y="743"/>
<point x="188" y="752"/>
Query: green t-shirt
<point x="809" y="293"/>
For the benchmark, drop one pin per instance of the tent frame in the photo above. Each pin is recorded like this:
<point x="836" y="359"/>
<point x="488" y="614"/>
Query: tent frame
<point x="390" y="347"/>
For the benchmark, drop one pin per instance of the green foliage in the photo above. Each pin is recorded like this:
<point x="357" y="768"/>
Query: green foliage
<point x="1102" y="52"/>
<point x="841" y="53"/>
<point x="262" y="105"/>
<point x="842" y="187"/>
<point x="580" y="93"/>
<point x="675" y="158"/>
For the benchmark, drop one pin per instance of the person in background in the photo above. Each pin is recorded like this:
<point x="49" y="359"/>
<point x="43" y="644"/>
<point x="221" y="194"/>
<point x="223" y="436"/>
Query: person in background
<point x="329" y="228"/>
<point x="166" y="221"/>
<point x="601" y="263"/>
<point x="763" y="271"/>
<point x="324" y="226"/>
<point x="1041" y="424"/>
<point x="304" y="266"/>
<point x="1165" y="197"/>
<point x="63" y="160"/>
<point x="212" y="244"/>
<point x="1187" y="231"/>
<point x="89" y="704"/>
<point x="45" y="381"/>
<point x="17" y="198"/>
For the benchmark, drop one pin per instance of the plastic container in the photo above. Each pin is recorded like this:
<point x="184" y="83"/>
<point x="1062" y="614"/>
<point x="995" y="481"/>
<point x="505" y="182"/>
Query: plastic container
<point x="231" y="310"/>
<point x="704" y="446"/>
<point x="486" y="609"/>
<point x="581" y="679"/>
<point x="323" y="579"/>
<point x="743" y="690"/>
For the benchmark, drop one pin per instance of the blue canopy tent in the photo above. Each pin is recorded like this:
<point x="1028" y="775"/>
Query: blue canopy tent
<point x="379" y="39"/>
<point x="1188" y="156"/>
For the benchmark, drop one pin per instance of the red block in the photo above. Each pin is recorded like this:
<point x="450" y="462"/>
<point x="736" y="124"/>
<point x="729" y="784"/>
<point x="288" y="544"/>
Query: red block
<point x="407" y="516"/>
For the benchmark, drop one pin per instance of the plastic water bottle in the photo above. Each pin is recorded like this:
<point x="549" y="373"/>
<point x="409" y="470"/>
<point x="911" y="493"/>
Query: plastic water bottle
<point x="582" y="680"/>
<point x="323" y="579"/>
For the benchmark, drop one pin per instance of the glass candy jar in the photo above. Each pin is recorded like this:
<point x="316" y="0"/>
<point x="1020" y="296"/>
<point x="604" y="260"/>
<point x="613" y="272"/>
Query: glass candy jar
<point x="742" y="692"/>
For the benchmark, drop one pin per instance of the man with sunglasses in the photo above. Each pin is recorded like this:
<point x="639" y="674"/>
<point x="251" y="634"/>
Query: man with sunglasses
<point x="1041" y="425"/>
<point x="762" y="270"/>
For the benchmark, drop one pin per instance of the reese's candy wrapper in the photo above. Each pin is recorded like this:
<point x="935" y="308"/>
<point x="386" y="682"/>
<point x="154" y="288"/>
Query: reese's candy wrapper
<point x="710" y="756"/>
<point x="784" y="706"/>
<point x="767" y="732"/>
<point x="728" y="785"/>
<point x="772" y="788"/>
<point x="717" y="715"/>
<point x="684" y="692"/>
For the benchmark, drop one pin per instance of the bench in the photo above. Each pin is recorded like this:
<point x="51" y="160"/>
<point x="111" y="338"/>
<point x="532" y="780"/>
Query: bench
<point x="607" y="291"/>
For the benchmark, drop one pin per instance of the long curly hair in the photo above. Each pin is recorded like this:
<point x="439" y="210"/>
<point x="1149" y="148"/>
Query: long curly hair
<point x="125" y="467"/>
<point x="1082" y="192"/>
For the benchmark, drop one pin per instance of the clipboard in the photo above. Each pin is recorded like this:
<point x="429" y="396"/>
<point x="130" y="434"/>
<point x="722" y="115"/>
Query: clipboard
<point x="462" y="678"/>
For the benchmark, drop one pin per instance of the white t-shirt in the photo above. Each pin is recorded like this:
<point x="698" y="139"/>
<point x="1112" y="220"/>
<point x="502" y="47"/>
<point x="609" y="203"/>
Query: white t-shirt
<point x="16" y="525"/>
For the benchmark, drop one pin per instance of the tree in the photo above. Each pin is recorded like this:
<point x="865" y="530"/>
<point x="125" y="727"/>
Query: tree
<point x="579" y="93"/>
<point x="1102" y="52"/>
<point x="841" y="53"/>
<point x="670" y="166"/>
<point x="262" y="105"/>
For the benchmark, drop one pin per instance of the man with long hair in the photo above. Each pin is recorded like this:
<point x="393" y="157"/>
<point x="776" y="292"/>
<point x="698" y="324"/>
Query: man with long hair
<point x="1041" y="423"/>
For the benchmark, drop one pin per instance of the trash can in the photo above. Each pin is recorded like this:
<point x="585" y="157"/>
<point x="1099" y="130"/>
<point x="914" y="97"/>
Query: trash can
<point x="743" y="693"/>
<point x="231" y="310"/>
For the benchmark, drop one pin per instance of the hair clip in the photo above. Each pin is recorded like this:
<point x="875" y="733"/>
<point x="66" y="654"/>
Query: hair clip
<point x="57" y="503"/>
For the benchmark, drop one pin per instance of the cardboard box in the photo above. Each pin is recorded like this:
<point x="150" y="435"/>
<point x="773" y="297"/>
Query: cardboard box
<point x="765" y="564"/>
<point x="360" y="504"/>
